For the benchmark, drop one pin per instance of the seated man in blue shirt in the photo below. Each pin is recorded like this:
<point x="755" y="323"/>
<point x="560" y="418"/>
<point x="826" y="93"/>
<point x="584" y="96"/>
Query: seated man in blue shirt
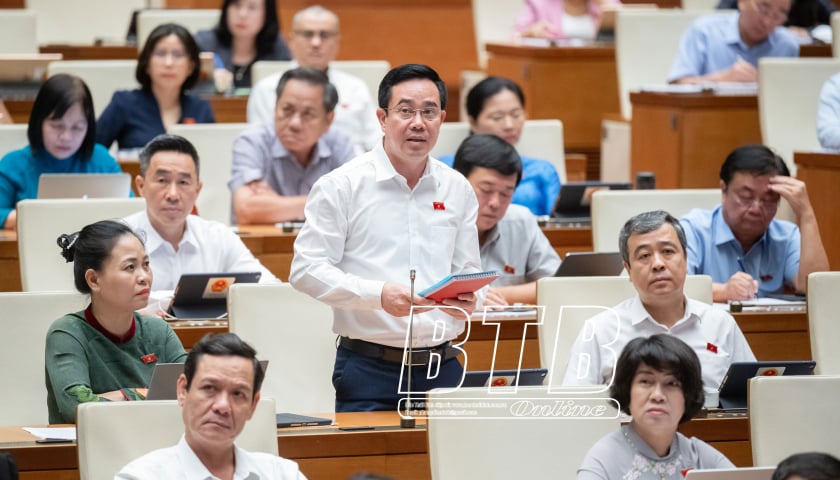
<point x="745" y="250"/>
<point x="509" y="238"/>
<point x="726" y="47"/>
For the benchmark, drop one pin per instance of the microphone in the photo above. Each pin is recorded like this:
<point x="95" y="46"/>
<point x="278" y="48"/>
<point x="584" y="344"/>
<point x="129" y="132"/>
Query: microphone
<point x="407" y="421"/>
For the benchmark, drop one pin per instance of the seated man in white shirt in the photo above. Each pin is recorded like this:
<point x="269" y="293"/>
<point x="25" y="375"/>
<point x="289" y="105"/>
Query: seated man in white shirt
<point x="314" y="41"/>
<point x="653" y="247"/>
<point x="509" y="238"/>
<point x="178" y="242"/>
<point x="218" y="392"/>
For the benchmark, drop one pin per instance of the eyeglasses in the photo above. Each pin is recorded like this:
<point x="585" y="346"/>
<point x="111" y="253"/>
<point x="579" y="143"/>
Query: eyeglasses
<point x="766" y="204"/>
<point x="429" y="114"/>
<point x="287" y="113"/>
<point x="177" y="55"/>
<point x="766" y="10"/>
<point x="498" y="117"/>
<point x="324" y="35"/>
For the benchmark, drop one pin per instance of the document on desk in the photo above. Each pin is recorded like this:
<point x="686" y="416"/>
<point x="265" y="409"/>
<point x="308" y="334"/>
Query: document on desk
<point x="62" y="433"/>
<point x="765" y="305"/>
<point x="675" y="88"/>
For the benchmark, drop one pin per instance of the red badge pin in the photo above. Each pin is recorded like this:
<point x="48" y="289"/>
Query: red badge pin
<point x="149" y="358"/>
<point x="438" y="206"/>
<point x="189" y="121"/>
<point x="509" y="269"/>
<point x="685" y="471"/>
<point x="711" y="347"/>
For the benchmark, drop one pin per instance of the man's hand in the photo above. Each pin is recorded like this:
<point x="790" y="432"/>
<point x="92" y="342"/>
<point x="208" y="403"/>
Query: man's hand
<point x="495" y="297"/>
<point x="792" y="190"/>
<point x="464" y="301"/>
<point x="396" y="300"/>
<point x="741" y="71"/>
<point x="741" y="286"/>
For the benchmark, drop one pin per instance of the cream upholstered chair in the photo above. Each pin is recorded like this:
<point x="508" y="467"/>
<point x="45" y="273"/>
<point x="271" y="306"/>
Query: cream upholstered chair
<point x="370" y="71"/>
<point x="39" y="224"/>
<point x="17" y="31"/>
<point x="214" y="143"/>
<point x="505" y="446"/>
<point x="792" y="414"/>
<point x="611" y="209"/>
<point x="193" y="19"/>
<point x="110" y="435"/>
<point x="12" y="137"/>
<point x="83" y="21"/>
<point x="540" y="139"/>
<point x="587" y="294"/>
<point x="293" y="332"/>
<point x="24" y="323"/>
<point x="788" y="96"/>
<point x="823" y="305"/>
<point x="835" y="34"/>
<point x="493" y="21"/>
<point x="103" y="77"/>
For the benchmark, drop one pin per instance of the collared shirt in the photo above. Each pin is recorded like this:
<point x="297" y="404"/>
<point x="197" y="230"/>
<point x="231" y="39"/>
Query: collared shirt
<point x="828" y="114"/>
<point x="259" y="155"/>
<point x="713" y="43"/>
<point x="206" y="247"/>
<point x="713" y="250"/>
<point x="179" y="462"/>
<point x="365" y="226"/>
<point x="711" y="332"/>
<point x="355" y="113"/>
<point x="518" y="249"/>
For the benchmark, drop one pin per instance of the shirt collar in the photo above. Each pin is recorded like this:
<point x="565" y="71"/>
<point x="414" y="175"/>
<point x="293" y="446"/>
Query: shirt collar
<point x="153" y="239"/>
<point x="193" y="468"/>
<point x="320" y="152"/>
<point x="731" y="34"/>
<point x="637" y="313"/>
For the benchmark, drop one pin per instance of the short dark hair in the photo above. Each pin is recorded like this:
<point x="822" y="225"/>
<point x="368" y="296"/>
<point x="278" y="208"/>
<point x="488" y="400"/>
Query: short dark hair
<point x="312" y="76"/>
<point x="809" y="466"/>
<point x="487" y="151"/>
<point x="166" y="143"/>
<point x="404" y="73"/>
<point x="55" y="97"/>
<point x="665" y="353"/>
<point x="645" y="223"/>
<point x="266" y="37"/>
<point x="90" y="247"/>
<point x="223" y="344"/>
<point x="754" y="159"/>
<point x="490" y="86"/>
<point x="160" y="32"/>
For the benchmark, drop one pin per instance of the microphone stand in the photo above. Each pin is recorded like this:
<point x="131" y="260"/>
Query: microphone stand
<point x="408" y="421"/>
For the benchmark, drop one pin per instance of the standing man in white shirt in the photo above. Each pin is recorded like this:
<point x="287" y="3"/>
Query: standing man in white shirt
<point x="372" y="221"/>
<point x="314" y="42"/>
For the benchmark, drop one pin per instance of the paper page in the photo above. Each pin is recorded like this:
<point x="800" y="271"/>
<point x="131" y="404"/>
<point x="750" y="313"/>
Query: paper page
<point x="64" y="433"/>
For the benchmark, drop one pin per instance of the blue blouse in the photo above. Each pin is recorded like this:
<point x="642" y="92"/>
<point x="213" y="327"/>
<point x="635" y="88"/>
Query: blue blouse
<point x="539" y="187"/>
<point x="133" y="118"/>
<point x="20" y="170"/>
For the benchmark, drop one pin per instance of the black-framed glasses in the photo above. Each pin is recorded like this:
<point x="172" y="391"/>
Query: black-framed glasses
<point x="429" y="114"/>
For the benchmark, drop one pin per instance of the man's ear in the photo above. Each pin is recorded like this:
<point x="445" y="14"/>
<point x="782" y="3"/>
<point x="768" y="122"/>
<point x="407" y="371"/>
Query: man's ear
<point x="254" y="405"/>
<point x="380" y="114"/>
<point x="139" y="183"/>
<point x="626" y="267"/>
<point x="182" y="389"/>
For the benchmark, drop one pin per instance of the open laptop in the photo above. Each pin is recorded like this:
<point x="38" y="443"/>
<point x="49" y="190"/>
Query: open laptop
<point x="204" y="295"/>
<point x="748" y="473"/>
<point x="590" y="264"/>
<point x="164" y="383"/>
<point x="733" y="388"/>
<point x="505" y="378"/>
<point x="575" y="198"/>
<point x="84" y="185"/>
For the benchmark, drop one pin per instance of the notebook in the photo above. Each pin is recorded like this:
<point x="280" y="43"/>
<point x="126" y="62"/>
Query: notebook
<point x="590" y="264"/>
<point x="204" y="295"/>
<point x="733" y="388"/>
<point x="505" y="378"/>
<point x="84" y="185"/>
<point x="453" y="285"/>
<point x="575" y="198"/>
<point x="748" y="473"/>
<point x="164" y="383"/>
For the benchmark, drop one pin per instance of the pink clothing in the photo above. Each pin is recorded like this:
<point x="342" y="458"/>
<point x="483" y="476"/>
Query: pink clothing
<point x="551" y="11"/>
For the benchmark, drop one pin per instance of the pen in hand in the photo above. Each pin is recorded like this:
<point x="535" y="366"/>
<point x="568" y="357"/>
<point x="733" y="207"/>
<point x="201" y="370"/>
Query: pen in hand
<point x="744" y="270"/>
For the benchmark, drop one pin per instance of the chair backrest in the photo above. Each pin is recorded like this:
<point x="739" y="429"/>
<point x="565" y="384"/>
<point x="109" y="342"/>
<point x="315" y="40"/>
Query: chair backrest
<point x="507" y="446"/>
<point x="293" y="332"/>
<point x="646" y="42"/>
<point x="214" y="143"/>
<point x="110" y="435"/>
<point x="370" y="71"/>
<point x="704" y="6"/>
<point x="193" y="19"/>
<point x="39" y="224"/>
<point x="24" y="323"/>
<point x="557" y="337"/>
<point x="12" y="137"/>
<point x="835" y="34"/>
<point x="493" y="20"/>
<point x="17" y="31"/>
<point x="611" y="209"/>
<point x="788" y="115"/>
<point x="83" y="21"/>
<point x="823" y="306"/>
<point x="540" y="139"/>
<point x="793" y="414"/>
<point x="103" y="77"/>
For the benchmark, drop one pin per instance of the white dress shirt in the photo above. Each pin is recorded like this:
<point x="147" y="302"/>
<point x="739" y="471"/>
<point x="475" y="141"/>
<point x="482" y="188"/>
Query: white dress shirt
<point x="365" y="227"/>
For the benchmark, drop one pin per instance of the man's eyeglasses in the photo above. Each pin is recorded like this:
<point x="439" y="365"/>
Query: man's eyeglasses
<point x="429" y="114"/>
<point x="322" y="34"/>
<point x="766" y="204"/>
<point x="766" y="10"/>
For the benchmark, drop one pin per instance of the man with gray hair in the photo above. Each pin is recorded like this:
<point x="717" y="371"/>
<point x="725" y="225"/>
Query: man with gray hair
<point x="275" y="164"/>
<point x="314" y="41"/>
<point x="653" y="248"/>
